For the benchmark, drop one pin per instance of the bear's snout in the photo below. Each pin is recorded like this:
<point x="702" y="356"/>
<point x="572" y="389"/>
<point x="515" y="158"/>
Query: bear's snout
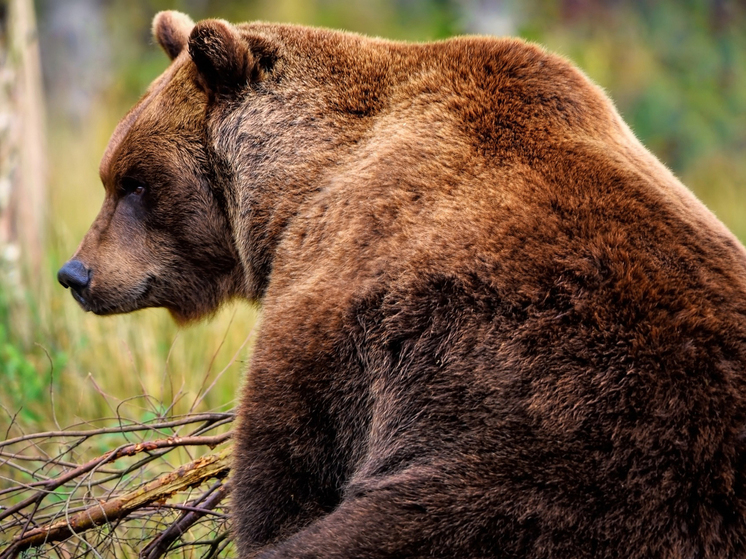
<point x="75" y="275"/>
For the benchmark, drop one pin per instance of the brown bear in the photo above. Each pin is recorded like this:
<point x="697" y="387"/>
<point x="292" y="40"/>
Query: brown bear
<point x="494" y="325"/>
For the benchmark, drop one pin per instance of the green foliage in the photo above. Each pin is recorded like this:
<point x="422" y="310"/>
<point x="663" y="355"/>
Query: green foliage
<point x="677" y="72"/>
<point x="138" y="62"/>
<point x="26" y="370"/>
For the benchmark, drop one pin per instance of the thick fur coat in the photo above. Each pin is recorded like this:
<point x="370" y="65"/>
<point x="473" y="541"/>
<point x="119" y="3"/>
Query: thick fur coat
<point x="494" y="325"/>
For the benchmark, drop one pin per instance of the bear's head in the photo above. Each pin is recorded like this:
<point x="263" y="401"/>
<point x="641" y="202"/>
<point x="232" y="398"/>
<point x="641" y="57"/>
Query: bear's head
<point x="163" y="236"/>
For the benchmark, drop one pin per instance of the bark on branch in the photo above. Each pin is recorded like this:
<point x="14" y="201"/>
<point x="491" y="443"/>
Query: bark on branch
<point x="159" y="546"/>
<point x="188" y="419"/>
<point x="128" y="450"/>
<point x="187" y="476"/>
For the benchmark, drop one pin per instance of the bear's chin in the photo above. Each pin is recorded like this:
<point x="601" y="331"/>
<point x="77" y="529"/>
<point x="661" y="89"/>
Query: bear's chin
<point x="181" y="318"/>
<point x="107" y="309"/>
<point x="185" y="316"/>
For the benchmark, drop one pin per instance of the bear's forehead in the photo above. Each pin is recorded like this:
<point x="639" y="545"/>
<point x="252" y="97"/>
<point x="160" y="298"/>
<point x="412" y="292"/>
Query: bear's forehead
<point x="141" y="110"/>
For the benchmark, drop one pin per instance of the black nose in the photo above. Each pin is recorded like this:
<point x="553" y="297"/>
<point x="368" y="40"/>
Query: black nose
<point x="74" y="275"/>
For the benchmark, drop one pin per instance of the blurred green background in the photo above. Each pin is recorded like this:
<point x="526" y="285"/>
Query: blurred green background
<point x="675" y="68"/>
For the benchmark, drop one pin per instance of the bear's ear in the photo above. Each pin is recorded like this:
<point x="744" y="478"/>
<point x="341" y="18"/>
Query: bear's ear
<point x="225" y="60"/>
<point x="171" y="30"/>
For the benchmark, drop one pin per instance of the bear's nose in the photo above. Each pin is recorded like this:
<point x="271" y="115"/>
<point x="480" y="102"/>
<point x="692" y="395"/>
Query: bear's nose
<point x="74" y="275"/>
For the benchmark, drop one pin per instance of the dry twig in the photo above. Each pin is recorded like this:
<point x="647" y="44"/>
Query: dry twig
<point x="187" y="476"/>
<point x="63" y="499"/>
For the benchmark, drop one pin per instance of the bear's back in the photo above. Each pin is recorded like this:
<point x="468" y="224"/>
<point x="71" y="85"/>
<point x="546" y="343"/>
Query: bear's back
<point x="495" y="157"/>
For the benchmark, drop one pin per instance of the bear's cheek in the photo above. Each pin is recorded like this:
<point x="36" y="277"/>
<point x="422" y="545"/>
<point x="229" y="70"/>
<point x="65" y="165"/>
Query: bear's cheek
<point x="125" y="261"/>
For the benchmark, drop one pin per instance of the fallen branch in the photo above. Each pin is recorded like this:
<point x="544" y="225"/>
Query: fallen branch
<point x="105" y="512"/>
<point x="49" y="485"/>
<point x="159" y="546"/>
<point x="196" y="418"/>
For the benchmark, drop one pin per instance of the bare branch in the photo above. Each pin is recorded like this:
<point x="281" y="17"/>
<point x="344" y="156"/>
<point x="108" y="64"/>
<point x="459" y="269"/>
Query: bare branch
<point x="121" y="429"/>
<point x="127" y="450"/>
<point x="105" y="512"/>
<point x="159" y="546"/>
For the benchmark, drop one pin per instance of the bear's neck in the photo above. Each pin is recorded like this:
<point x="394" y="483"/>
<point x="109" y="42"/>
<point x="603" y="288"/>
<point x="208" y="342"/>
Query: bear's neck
<point x="291" y="137"/>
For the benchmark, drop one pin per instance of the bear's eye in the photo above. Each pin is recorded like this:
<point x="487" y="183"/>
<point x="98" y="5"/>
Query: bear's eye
<point x="132" y="186"/>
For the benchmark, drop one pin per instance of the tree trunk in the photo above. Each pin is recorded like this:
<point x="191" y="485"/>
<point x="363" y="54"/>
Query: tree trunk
<point x="22" y="158"/>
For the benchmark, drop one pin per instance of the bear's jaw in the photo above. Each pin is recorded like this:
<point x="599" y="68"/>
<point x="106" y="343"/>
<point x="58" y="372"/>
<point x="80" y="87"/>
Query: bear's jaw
<point x="100" y="302"/>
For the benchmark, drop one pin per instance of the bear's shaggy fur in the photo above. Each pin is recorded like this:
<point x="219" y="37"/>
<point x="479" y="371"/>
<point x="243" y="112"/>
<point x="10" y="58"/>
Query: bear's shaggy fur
<point x="494" y="325"/>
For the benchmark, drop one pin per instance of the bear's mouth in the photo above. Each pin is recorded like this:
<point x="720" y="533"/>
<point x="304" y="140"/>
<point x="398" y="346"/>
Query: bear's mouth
<point x="102" y="305"/>
<point x="80" y="299"/>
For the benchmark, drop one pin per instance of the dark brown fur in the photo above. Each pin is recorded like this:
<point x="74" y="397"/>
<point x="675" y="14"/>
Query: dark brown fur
<point x="494" y="325"/>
